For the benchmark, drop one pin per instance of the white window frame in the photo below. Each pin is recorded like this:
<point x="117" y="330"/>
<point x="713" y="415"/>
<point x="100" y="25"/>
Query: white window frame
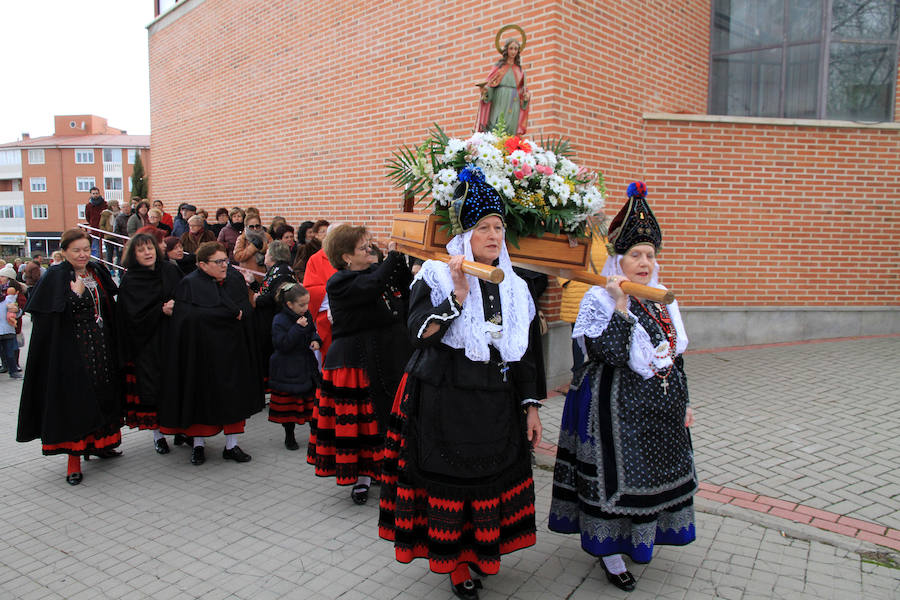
<point x="108" y="180"/>
<point x="39" y="211"/>
<point x="7" y="211"/>
<point x="116" y="154"/>
<point x="83" y="152"/>
<point x="36" y="156"/>
<point x="132" y="153"/>
<point x="84" y="184"/>
<point x="37" y="184"/>
<point x="81" y="211"/>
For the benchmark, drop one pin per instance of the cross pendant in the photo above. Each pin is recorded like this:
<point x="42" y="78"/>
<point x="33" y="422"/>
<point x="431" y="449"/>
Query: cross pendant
<point x="665" y="386"/>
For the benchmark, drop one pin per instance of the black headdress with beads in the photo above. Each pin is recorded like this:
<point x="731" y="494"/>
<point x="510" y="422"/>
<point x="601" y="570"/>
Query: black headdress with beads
<point x="473" y="200"/>
<point x="635" y="223"/>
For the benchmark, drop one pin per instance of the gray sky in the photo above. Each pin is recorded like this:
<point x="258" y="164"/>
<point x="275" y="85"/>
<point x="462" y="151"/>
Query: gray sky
<point x="65" y="57"/>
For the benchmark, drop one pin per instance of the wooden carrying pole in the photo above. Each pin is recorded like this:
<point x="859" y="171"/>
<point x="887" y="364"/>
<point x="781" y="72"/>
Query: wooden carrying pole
<point x="495" y="275"/>
<point x="486" y="272"/>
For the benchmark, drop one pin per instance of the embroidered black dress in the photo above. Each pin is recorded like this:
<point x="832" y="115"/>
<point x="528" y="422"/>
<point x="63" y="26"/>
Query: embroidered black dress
<point x="624" y="476"/>
<point x="457" y="483"/>
<point x="72" y="393"/>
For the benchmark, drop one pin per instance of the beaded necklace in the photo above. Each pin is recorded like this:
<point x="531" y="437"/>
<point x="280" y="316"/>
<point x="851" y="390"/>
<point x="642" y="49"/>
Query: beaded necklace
<point x="91" y="285"/>
<point x="668" y="329"/>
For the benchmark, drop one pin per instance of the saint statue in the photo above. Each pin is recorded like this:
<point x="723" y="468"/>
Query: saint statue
<point x="504" y="98"/>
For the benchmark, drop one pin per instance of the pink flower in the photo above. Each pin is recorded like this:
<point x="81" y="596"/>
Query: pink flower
<point x="515" y="162"/>
<point x="526" y="169"/>
<point x="544" y="170"/>
<point x="519" y="174"/>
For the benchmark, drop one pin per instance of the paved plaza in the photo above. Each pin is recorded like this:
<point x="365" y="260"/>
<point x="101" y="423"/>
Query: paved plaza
<point x="810" y="425"/>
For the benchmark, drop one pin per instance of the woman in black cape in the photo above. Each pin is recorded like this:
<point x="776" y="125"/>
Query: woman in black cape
<point x="146" y="301"/>
<point x="72" y="395"/>
<point x="214" y="371"/>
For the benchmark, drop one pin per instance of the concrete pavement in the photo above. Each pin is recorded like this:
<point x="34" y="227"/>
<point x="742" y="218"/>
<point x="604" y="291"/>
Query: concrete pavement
<point x="781" y="423"/>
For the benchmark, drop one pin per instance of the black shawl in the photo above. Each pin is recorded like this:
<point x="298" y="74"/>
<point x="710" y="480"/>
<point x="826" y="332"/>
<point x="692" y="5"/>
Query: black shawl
<point x="59" y="402"/>
<point x="213" y="366"/>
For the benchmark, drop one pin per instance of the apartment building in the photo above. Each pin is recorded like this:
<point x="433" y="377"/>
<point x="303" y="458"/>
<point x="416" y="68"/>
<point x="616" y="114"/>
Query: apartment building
<point x="46" y="181"/>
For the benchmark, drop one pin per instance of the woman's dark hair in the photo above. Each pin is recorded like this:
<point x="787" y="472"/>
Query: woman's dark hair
<point x="129" y="255"/>
<point x="156" y="232"/>
<point x="170" y="242"/>
<point x="207" y="250"/>
<point x="72" y="235"/>
<point x="307" y="250"/>
<point x="290" y="292"/>
<point x="279" y="233"/>
<point x="237" y="210"/>
<point x="340" y="241"/>
<point x="302" y="229"/>
<point x="320" y="224"/>
<point x="221" y="211"/>
<point x="143" y="203"/>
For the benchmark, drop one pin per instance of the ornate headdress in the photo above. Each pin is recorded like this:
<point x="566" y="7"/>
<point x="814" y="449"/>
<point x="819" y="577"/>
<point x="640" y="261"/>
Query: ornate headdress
<point x="635" y="223"/>
<point x="473" y="200"/>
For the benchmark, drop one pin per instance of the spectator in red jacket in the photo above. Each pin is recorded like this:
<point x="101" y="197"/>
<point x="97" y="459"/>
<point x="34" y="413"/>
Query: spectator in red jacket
<point x="92" y="212"/>
<point x="166" y="217"/>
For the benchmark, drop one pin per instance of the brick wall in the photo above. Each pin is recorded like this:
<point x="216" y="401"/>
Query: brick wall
<point x="764" y="215"/>
<point x="296" y="112"/>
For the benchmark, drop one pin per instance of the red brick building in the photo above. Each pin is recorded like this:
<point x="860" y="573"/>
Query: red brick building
<point x="780" y="211"/>
<point x="54" y="174"/>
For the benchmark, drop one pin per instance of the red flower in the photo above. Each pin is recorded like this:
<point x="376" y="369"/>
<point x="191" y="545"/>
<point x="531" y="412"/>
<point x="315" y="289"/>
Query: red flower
<point x="515" y="143"/>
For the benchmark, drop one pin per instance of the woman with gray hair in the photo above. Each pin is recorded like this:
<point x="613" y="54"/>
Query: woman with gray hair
<point x="278" y="273"/>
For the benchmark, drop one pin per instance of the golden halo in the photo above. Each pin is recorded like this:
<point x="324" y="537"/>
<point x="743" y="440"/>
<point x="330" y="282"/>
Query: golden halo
<point x="500" y="33"/>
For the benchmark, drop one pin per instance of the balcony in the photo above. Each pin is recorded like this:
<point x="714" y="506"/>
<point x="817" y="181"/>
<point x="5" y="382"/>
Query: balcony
<point x="11" y="171"/>
<point x="12" y="229"/>
<point x="117" y="195"/>
<point x="112" y="169"/>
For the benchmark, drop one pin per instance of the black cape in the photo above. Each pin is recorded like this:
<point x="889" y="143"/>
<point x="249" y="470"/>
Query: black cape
<point x="213" y="367"/>
<point x="144" y="326"/>
<point x="59" y="402"/>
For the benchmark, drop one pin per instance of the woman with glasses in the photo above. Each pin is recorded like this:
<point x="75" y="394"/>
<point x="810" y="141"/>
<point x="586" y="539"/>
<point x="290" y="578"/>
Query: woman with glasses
<point x="215" y="381"/>
<point x="369" y="348"/>
<point x="251" y="246"/>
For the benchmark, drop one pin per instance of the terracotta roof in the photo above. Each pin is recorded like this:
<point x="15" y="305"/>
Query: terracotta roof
<point x="82" y="141"/>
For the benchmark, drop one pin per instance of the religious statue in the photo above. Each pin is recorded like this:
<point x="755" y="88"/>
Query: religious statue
<point x="504" y="98"/>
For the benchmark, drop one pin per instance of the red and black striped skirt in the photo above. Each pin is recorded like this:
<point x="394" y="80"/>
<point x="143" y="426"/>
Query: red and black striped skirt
<point x="200" y="430"/>
<point x="289" y="408"/>
<point x="105" y="438"/>
<point x="137" y="415"/>
<point x="344" y="441"/>
<point x="473" y="527"/>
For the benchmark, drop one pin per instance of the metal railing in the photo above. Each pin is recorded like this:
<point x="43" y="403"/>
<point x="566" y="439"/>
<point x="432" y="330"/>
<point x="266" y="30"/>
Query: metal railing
<point x="101" y="235"/>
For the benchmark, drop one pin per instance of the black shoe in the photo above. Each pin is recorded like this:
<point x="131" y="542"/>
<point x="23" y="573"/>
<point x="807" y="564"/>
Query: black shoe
<point x="162" y="446"/>
<point x="468" y="589"/>
<point x="198" y="455"/>
<point x="290" y="442"/>
<point x="16" y="375"/>
<point x="180" y="439"/>
<point x="74" y="478"/>
<point x="360" y="493"/>
<point x="235" y="454"/>
<point x="624" y="581"/>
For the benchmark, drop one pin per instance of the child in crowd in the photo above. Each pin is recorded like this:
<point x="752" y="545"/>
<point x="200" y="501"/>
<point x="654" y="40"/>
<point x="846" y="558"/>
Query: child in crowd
<point x="8" y="343"/>
<point x="293" y="369"/>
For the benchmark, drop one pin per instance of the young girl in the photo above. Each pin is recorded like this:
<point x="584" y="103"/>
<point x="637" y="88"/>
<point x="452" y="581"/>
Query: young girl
<point x="293" y="369"/>
<point x="8" y="343"/>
